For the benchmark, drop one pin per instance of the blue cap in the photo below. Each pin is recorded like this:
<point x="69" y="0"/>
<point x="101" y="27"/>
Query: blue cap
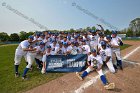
<point x="76" y="36"/>
<point x="103" y="43"/>
<point x="48" y="46"/>
<point x="37" y="34"/>
<point x="73" y="42"/>
<point x="101" y="34"/>
<point x="31" y="37"/>
<point x="49" y="33"/>
<point x="83" y="40"/>
<point x="42" y="35"/>
<point x="108" y="37"/>
<point x="114" y="32"/>
<point x="65" y="43"/>
<point x="54" y="40"/>
<point x="65" y="32"/>
<point x="93" y="31"/>
<point x="93" y="50"/>
<point x="42" y="43"/>
<point x="90" y="31"/>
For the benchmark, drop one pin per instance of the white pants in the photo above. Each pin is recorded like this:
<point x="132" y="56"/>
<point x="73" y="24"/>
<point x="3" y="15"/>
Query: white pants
<point x="117" y="54"/>
<point x="44" y="58"/>
<point x="30" y="59"/>
<point x="18" y="58"/>
<point x="100" y="72"/>
<point x="110" y="66"/>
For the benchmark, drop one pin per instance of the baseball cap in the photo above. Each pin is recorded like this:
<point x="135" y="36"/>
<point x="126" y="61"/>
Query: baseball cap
<point x="73" y="42"/>
<point x="54" y="41"/>
<point x="103" y="43"/>
<point x="93" y="31"/>
<point x="93" y="50"/>
<point x="114" y="32"/>
<point x="31" y="37"/>
<point x="48" y="46"/>
<point x="65" y="43"/>
<point x="37" y="34"/>
<point x="42" y="43"/>
<point x="108" y="37"/>
<point x="42" y="35"/>
<point x="83" y="40"/>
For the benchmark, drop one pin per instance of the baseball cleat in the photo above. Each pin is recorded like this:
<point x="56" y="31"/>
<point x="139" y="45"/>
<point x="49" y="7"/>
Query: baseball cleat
<point x="25" y="77"/>
<point x="110" y="86"/>
<point x="78" y="75"/>
<point x="17" y="75"/>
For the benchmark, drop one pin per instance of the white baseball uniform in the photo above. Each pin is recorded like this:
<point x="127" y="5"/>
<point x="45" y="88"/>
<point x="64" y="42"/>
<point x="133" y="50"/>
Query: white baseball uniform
<point x="116" y="51"/>
<point x="85" y="49"/>
<point x="99" y="62"/>
<point x="107" y="53"/>
<point x="20" y="52"/>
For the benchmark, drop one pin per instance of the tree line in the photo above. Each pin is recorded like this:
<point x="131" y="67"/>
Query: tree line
<point x="24" y="35"/>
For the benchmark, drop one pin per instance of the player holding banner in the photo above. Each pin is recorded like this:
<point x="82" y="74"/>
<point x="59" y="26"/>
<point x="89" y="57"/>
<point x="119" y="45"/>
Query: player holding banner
<point x="96" y="64"/>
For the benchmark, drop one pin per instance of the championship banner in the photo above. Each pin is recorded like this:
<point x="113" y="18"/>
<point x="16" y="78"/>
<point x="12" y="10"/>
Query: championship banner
<point x="66" y="63"/>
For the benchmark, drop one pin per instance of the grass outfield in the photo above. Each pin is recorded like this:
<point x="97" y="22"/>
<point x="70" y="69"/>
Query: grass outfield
<point x="10" y="84"/>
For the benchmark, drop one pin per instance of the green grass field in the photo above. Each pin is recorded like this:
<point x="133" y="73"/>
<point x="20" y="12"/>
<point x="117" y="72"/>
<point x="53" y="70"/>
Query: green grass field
<point x="10" y="84"/>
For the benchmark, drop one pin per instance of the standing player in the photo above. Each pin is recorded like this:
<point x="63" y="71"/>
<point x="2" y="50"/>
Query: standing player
<point x="96" y="64"/>
<point x="106" y="55"/>
<point x="116" y="42"/>
<point x="85" y="48"/>
<point x="94" y="40"/>
<point x="113" y="43"/>
<point x="21" y="51"/>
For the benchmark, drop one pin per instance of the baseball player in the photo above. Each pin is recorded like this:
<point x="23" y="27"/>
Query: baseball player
<point x="93" y="40"/>
<point x="39" y="54"/>
<point x="85" y="48"/>
<point x="106" y="55"/>
<point x="46" y="53"/>
<point x="96" y="64"/>
<point x="54" y="46"/>
<point x="60" y="49"/>
<point x="21" y="51"/>
<point x="115" y="46"/>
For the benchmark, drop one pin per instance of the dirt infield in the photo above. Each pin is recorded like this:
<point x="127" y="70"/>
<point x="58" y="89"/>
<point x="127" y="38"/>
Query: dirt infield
<point x="127" y="81"/>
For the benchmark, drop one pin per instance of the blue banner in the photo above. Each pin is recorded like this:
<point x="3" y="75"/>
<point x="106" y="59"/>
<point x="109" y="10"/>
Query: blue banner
<point x="66" y="63"/>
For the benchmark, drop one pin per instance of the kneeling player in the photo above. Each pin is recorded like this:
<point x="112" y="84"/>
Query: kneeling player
<point x="96" y="64"/>
<point x="47" y="52"/>
<point x="106" y="55"/>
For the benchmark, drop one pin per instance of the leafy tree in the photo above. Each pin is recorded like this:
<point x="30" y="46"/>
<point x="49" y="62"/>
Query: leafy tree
<point x="30" y="33"/>
<point x="23" y="35"/>
<point x="93" y="28"/>
<point x="107" y="32"/>
<point x="4" y="36"/>
<point x="72" y="30"/>
<point x="129" y="33"/>
<point x="14" y="37"/>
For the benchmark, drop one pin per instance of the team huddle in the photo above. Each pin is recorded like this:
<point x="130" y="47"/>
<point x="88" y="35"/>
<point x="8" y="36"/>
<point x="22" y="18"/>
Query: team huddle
<point x="99" y="48"/>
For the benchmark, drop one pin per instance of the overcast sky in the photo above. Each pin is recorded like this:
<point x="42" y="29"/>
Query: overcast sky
<point x="61" y="15"/>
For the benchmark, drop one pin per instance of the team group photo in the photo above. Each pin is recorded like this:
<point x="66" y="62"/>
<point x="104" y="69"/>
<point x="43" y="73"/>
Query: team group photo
<point x="95" y="48"/>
